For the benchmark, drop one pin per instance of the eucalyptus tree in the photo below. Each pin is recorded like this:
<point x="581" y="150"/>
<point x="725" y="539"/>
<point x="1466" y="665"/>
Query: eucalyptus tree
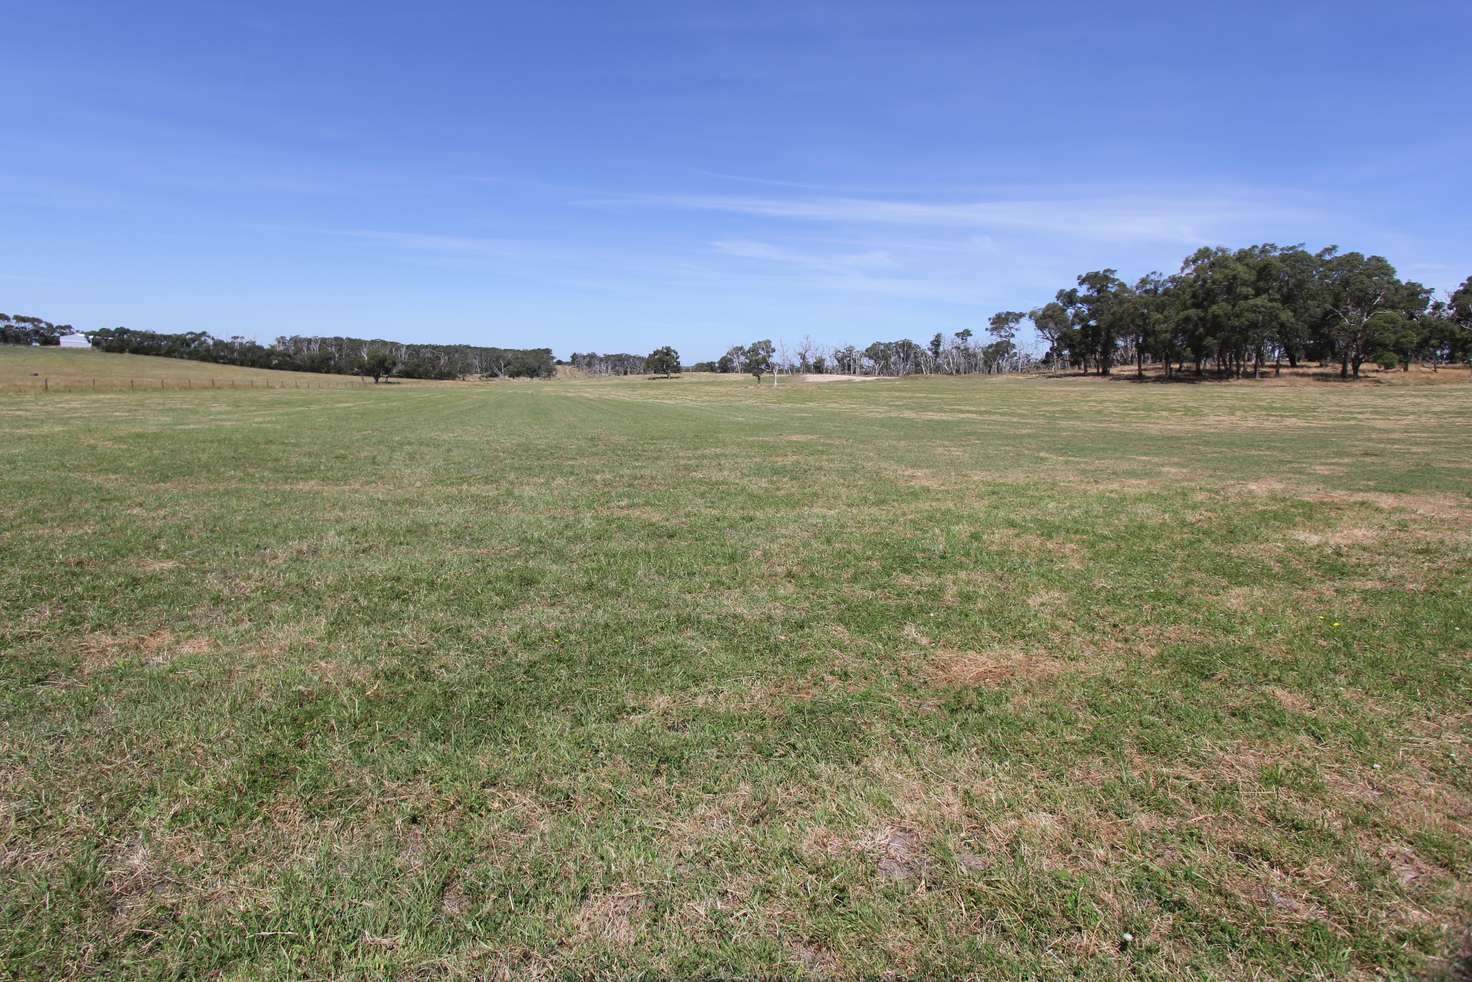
<point x="1291" y="276"/>
<point x="1459" y="318"/>
<point x="1146" y="314"/>
<point x="1357" y="288"/>
<point x="848" y="360"/>
<point x="378" y="363"/>
<point x="965" y="360"/>
<point x="663" y="361"/>
<point x="25" y="329"/>
<point x="733" y="361"/>
<point x="1003" y="325"/>
<point x="1052" y="323"/>
<point x="1460" y="304"/>
<point x="758" y="359"/>
<point x="1098" y="310"/>
<point x="808" y="355"/>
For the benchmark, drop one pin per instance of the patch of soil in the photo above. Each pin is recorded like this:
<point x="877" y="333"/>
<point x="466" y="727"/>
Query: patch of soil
<point x="900" y="858"/>
<point x="455" y="899"/>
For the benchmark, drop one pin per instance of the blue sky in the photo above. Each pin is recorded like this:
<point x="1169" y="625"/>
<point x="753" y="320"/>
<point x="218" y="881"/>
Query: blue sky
<point x="615" y="176"/>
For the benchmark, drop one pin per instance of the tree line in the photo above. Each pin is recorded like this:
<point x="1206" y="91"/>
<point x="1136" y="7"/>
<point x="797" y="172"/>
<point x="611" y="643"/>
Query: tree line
<point x="1241" y="310"/>
<point x="592" y="363"/>
<point x="328" y="355"/>
<point x="23" y="329"/>
<point x="956" y="354"/>
<point x="1230" y="311"/>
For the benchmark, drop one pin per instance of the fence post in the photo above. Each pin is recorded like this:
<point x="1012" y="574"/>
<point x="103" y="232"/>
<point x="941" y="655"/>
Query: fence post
<point x="45" y="385"/>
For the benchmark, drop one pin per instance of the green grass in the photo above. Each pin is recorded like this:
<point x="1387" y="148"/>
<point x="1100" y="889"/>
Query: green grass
<point x="696" y="678"/>
<point x="50" y="369"/>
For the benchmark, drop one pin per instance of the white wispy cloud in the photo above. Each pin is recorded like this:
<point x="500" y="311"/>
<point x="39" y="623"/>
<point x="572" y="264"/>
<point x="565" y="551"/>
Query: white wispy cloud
<point x="1190" y="220"/>
<point x="836" y="189"/>
<point x="871" y="271"/>
<point x="830" y="261"/>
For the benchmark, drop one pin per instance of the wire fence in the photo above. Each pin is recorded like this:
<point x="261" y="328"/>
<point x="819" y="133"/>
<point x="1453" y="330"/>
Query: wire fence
<point x="42" y="384"/>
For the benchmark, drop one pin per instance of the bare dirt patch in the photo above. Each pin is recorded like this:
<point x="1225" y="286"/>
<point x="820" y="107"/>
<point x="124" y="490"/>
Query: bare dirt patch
<point x="899" y="855"/>
<point x="836" y="378"/>
<point x="455" y="899"/>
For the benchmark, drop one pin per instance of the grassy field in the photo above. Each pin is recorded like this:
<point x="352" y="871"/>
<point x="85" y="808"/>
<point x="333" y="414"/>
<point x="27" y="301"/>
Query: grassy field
<point x="38" y="370"/>
<point x="694" y="678"/>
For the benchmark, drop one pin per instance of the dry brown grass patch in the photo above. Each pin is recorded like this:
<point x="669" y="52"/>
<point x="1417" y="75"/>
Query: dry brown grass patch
<point x="101" y="650"/>
<point x="1351" y="535"/>
<point x="917" y="478"/>
<point x="992" y="667"/>
<point x="1442" y="506"/>
<point x="893" y="853"/>
<point x="1439" y="506"/>
<point x="815" y="959"/>
<point x="1047" y="601"/>
<point x="1291" y="701"/>
<point x="610" y="917"/>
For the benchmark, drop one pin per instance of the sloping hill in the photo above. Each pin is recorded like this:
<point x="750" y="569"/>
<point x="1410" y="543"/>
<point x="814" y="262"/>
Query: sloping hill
<point x="27" y="368"/>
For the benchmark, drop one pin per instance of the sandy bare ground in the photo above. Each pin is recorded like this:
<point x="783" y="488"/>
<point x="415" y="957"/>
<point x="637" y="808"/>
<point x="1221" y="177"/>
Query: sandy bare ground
<point x="836" y="378"/>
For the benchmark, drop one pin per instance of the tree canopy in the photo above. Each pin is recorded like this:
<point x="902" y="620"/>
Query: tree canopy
<point x="663" y="361"/>
<point x="758" y="358"/>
